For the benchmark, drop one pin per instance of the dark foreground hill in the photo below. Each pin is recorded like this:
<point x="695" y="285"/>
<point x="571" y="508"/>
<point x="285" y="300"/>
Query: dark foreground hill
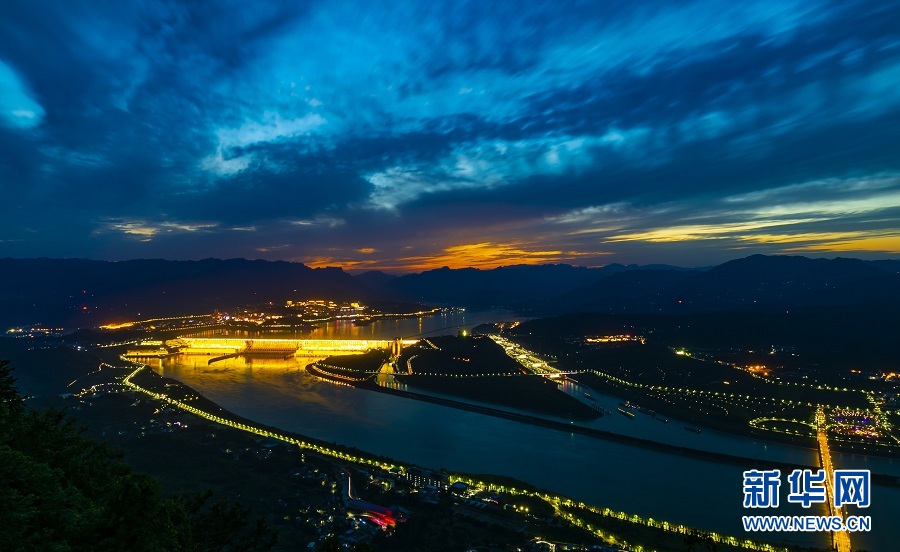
<point x="82" y="292"/>
<point x="64" y="492"/>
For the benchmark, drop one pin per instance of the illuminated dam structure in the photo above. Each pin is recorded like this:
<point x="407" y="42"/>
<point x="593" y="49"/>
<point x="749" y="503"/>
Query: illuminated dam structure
<point x="285" y="347"/>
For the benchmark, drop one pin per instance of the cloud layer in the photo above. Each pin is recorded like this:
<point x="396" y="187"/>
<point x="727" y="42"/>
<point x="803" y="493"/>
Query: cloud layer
<point x="413" y="135"/>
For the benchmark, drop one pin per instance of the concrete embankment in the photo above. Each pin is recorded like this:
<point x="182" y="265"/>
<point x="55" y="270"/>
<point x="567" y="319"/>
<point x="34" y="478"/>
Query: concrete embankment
<point x="745" y="462"/>
<point x="587" y="431"/>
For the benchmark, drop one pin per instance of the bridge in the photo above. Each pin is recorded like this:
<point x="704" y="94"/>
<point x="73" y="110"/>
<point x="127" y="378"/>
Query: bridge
<point x="840" y="539"/>
<point x="285" y="347"/>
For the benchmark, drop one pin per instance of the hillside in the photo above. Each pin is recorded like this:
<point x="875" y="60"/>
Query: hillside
<point x="78" y="292"/>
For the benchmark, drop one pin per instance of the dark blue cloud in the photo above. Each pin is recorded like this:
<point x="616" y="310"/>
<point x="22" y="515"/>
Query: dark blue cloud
<point x="315" y="130"/>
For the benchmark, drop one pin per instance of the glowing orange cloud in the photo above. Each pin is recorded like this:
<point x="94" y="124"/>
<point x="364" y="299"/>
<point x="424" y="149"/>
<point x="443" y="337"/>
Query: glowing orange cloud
<point x="874" y="244"/>
<point x="483" y="255"/>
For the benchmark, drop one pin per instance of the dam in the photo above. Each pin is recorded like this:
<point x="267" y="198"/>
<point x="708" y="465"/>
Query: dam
<point x="220" y="346"/>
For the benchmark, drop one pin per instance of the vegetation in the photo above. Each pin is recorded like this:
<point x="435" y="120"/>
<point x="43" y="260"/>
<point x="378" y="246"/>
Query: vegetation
<point x="332" y="543"/>
<point x="687" y="368"/>
<point x="63" y="492"/>
<point x="475" y="368"/>
<point x="532" y="393"/>
<point x="367" y="362"/>
<point x="824" y="342"/>
<point x="458" y="356"/>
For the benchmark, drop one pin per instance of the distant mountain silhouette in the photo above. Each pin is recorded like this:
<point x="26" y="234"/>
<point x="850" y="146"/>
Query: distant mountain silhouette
<point x="757" y="282"/>
<point x="879" y="289"/>
<point x="375" y="279"/>
<point x="889" y="265"/>
<point x="56" y="291"/>
<point x="620" y="291"/>
<point x="506" y="286"/>
<point x="773" y="281"/>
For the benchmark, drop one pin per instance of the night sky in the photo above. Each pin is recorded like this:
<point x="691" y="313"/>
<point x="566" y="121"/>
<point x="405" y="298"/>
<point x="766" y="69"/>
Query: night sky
<point x="412" y="135"/>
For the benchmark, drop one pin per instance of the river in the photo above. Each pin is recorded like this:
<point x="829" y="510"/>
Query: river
<point x="675" y="488"/>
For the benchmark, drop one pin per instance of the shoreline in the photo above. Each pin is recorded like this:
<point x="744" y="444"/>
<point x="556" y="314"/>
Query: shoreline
<point x="587" y="431"/>
<point x="747" y="462"/>
<point x="742" y="431"/>
<point x="356" y="456"/>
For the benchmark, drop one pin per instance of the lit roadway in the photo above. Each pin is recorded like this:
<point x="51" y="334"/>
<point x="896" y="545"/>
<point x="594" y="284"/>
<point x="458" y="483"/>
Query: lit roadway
<point x="841" y="539"/>
<point x="523" y="356"/>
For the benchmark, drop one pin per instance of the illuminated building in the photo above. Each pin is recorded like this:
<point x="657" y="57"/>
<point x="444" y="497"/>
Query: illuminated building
<point x="426" y="478"/>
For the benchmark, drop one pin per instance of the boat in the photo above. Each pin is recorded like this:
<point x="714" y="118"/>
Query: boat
<point x="626" y="412"/>
<point x="588" y="395"/>
<point x="694" y="429"/>
<point x="663" y="420"/>
<point x="639" y="408"/>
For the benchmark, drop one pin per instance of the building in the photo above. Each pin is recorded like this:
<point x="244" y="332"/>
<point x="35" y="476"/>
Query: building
<point x="420" y="478"/>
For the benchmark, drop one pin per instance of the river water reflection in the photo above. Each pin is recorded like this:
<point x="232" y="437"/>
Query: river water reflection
<point x="663" y="486"/>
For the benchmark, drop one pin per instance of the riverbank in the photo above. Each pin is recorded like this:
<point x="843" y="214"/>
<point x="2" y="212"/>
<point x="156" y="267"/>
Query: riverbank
<point x="675" y="533"/>
<point x="742" y="461"/>
<point x="573" y="428"/>
<point x="735" y="427"/>
<point x="587" y="431"/>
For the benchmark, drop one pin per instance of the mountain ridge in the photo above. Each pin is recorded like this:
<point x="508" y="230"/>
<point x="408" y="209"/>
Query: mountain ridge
<point x="81" y="292"/>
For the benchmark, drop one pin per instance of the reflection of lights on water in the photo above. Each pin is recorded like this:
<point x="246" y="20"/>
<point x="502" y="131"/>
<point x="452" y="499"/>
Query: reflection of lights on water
<point x="556" y="501"/>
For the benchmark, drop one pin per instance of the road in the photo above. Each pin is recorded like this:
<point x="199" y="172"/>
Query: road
<point x="530" y="361"/>
<point x="841" y="539"/>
